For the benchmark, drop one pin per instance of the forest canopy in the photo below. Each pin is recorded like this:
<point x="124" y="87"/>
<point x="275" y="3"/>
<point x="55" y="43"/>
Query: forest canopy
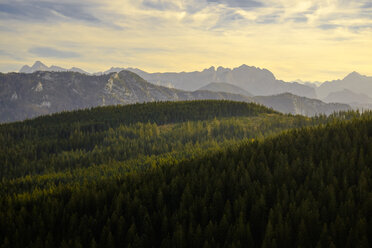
<point x="186" y="174"/>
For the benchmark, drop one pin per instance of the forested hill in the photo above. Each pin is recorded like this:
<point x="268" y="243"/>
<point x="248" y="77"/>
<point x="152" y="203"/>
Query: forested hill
<point x="152" y="112"/>
<point x="83" y="138"/>
<point x="229" y="180"/>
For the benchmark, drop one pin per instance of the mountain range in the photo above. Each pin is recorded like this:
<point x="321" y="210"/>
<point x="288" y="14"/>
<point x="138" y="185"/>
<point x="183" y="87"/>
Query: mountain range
<point x="261" y="82"/>
<point x="254" y="80"/>
<point x="27" y="95"/>
<point x="355" y="89"/>
<point x="358" y="88"/>
<point x="39" y="66"/>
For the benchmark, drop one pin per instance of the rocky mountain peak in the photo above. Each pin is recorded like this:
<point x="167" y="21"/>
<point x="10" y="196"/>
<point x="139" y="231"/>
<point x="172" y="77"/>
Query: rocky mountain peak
<point x="244" y="66"/>
<point x="210" y="69"/>
<point x="353" y="76"/>
<point x="39" y="66"/>
<point x="25" y="69"/>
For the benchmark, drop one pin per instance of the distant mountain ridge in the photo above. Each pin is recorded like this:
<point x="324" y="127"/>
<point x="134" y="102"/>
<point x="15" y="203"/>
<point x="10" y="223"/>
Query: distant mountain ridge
<point x="225" y="87"/>
<point x="29" y="95"/>
<point x="348" y="96"/>
<point x="261" y="82"/>
<point x="292" y="104"/>
<point x="255" y="81"/>
<point x="354" y="82"/>
<point x="39" y="66"/>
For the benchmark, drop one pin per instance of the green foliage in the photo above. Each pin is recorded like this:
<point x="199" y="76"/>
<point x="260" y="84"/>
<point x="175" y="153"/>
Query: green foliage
<point x="113" y="177"/>
<point x="84" y="138"/>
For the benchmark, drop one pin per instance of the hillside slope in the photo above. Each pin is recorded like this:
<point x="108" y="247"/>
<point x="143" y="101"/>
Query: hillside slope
<point x="347" y="96"/>
<point x="83" y="138"/>
<point x="225" y="87"/>
<point x="306" y="187"/>
<point x="292" y="104"/>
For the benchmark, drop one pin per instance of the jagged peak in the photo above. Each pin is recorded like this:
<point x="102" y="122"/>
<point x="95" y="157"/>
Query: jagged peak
<point x="353" y="75"/>
<point x="38" y="63"/>
<point x="126" y="73"/>
<point x="212" y="68"/>
<point x="222" y="69"/>
<point x="25" y="68"/>
<point x="243" y="66"/>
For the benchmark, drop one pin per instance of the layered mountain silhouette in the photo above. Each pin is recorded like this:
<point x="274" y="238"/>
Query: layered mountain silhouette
<point x="27" y="95"/>
<point x="292" y="104"/>
<point x="254" y="80"/>
<point x="225" y="87"/>
<point x="250" y="80"/>
<point x="355" y="89"/>
<point x="348" y="96"/>
<point x="39" y="66"/>
<point x="354" y="83"/>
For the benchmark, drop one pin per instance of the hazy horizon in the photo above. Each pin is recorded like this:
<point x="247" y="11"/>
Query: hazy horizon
<point x="307" y="40"/>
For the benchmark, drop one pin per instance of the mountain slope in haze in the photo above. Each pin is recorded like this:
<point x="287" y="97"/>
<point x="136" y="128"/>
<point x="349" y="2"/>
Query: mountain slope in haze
<point x="252" y="79"/>
<point x="354" y="82"/>
<point x="225" y="87"/>
<point x="289" y="103"/>
<point x="347" y="96"/>
<point x="39" y="66"/>
<point x="127" y="87"/>
<point x="261" y="82"/>
<point x="285" y="103"/>
<point x="28" y="95"/>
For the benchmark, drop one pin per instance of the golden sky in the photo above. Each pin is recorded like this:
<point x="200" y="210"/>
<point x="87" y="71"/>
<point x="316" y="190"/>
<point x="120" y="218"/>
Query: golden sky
<point x="308" y="40"/>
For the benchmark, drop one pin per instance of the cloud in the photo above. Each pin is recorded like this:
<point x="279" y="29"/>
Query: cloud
<point x="226" y="18"/>
<point x="300" y="18"/>
<point x="268" y="19"/>
<point x="367" y="5"/>
<point x="7" y="54"/>
<point x="159" y="5"/>
<point x="52" y="52"/>
<point x="358" y="28"/>
<point x="42" y="11"/>
<point x="238" y="3"/>
<point x="328" y="26"/>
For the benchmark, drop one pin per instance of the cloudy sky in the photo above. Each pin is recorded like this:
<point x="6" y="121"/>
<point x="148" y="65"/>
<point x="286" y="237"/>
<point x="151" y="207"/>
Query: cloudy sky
<point x="308" y="40"/>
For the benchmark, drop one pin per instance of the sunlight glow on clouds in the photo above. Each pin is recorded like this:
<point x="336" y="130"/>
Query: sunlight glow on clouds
<point x="311" y="40"/>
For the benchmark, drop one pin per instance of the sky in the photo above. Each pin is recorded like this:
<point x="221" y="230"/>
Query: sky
<point x="309" y="40"/>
